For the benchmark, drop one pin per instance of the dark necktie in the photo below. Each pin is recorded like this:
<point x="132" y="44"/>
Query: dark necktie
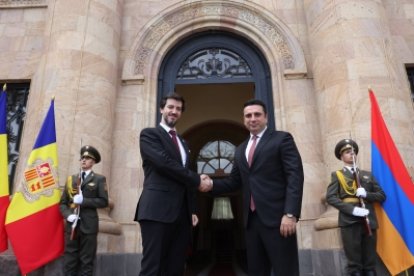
<point x="83" y="176"/>
<point x="250" y="160"/>
<point x="251" y="151"/>
<point x="174" y="139"/>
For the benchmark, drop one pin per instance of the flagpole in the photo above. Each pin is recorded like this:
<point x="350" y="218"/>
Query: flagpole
<point x="77" y="209"/>
<point x="36" y="203"/>
<point x="4" y="183"/>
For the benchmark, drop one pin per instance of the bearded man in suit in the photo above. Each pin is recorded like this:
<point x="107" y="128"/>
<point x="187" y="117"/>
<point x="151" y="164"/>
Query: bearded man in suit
<point x="166" y="205"/>
<point x="268" y="167"/>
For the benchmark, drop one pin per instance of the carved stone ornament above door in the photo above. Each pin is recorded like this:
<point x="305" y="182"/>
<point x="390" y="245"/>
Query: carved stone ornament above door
<point x="22" y="3"/>
<point x="263" y="28"/>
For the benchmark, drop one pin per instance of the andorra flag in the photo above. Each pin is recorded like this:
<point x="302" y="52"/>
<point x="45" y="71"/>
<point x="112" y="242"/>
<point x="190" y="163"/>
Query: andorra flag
<point x="396" y="214"/>
<point x="34" y="224"/>
<point x="4" y="172"/>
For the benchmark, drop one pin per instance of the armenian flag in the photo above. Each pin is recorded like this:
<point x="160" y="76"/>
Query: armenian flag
<point x="4" y="174"/>
<point x="396" y="214"/>
<point x="33" y="221"/>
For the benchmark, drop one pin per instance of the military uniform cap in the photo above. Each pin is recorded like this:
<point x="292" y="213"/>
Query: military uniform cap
<point x="91" y="152"/>
<point x="344" y="145"/>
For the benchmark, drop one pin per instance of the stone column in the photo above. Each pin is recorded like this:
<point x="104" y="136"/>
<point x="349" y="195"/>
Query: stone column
<point x="79" y="68"/>
<point x="352" y="50"/>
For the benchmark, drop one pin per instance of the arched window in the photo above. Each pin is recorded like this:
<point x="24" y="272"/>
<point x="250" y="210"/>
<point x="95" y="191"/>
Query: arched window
<point x="216" y="158"/>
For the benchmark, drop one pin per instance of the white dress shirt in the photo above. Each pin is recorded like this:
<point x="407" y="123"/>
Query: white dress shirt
<point x="249" y="144"/>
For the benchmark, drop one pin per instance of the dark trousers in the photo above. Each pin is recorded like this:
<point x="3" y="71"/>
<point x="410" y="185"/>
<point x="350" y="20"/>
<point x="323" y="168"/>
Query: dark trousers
<point x="80" y="254"/>
<point x="360" y="249"/>
<point x="165" y="246"/>
<point x="267" y="250"/>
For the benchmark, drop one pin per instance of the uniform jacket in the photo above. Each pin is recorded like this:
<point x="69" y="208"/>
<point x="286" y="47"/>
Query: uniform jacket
<point x="95" y="195"/>
<point x="275" y="178"/>
<point x="336" y="194"/>
<point x="167" y="183"/>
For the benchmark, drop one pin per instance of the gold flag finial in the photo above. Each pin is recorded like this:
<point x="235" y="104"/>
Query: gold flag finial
<point x="5" y="87"/>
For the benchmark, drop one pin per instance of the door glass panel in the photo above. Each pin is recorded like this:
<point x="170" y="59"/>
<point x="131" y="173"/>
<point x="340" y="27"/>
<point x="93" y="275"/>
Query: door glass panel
<point x="216" y="158"/>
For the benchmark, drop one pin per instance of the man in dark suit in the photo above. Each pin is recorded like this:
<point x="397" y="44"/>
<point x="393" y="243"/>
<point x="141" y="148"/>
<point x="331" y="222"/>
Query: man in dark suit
<point x="268" y="168"/>
<point x="83" y="194"/>
<point x="166" y="204"/>
<point x="344" y="194"/>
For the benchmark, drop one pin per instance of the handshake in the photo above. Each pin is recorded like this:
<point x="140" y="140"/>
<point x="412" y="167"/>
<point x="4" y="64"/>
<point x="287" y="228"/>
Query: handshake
<point x="206" y="184"/>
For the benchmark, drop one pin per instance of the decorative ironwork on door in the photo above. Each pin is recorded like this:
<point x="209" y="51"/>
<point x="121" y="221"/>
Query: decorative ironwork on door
<point x="214" y="63"/>
<point x="17" y="95"/>
<point x="410" y="74"/>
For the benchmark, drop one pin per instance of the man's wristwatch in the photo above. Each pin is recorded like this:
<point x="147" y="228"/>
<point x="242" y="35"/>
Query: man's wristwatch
<point x="290" y="216"/>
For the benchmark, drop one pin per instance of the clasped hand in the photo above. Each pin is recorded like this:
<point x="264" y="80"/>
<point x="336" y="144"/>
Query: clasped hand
<point x="206" y="184"/>
<point x="360" y="212"/>
<point x="361" y="192"/>
<point x="78" y="199"/>
<point x="71" y="218"/>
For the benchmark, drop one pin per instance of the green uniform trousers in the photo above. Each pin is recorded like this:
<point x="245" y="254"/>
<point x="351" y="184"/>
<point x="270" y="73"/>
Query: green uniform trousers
<point x="360" y="249"/>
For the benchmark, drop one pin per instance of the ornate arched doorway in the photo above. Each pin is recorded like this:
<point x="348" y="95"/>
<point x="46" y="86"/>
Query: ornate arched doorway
<point x="216" y="57"/>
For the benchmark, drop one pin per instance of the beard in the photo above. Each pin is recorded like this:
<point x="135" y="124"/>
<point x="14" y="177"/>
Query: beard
<point x="170" y="122"/>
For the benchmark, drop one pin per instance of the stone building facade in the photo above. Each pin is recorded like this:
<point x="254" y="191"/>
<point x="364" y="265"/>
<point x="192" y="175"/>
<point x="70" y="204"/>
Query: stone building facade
<point x="107" y="63"/>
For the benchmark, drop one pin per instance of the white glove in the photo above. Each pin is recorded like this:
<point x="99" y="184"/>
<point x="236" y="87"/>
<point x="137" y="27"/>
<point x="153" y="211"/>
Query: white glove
<point x="78" y="199"/>
<point x="360" y="212"/>
<point x="71" y="218"/>
<point x="361" y="192"/>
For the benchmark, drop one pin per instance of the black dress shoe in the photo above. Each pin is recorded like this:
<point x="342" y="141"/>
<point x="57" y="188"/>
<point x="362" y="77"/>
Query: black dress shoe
<point x="370" y="273"/>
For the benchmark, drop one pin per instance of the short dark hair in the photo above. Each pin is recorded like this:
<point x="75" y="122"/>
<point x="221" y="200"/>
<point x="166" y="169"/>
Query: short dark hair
<point x="256" y="102"/>
<point x="174" y="96"/>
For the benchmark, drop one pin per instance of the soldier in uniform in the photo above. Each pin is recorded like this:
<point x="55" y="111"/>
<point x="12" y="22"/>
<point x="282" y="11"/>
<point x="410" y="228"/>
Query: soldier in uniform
<point x="344" y="194"/>
<point x="84" y="192"/>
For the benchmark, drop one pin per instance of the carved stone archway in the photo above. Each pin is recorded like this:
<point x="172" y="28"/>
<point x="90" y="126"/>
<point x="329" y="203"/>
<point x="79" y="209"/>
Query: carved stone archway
<point x="252" y="21"/>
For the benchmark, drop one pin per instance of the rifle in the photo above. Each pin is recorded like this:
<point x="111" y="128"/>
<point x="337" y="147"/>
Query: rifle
<point x="76" y="211"/>
<point x="361" y="200"/>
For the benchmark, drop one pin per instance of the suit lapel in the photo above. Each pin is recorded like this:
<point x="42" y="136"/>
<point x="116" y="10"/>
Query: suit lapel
<point x="186" y="149"/>
<point x="348" y="175"/>
<point x="168" y="141"/>
<point x="261" y="145"/>
<point x="243" y="153"/>
<point x="170" y="144"/>
<point x="87" y="179"/>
